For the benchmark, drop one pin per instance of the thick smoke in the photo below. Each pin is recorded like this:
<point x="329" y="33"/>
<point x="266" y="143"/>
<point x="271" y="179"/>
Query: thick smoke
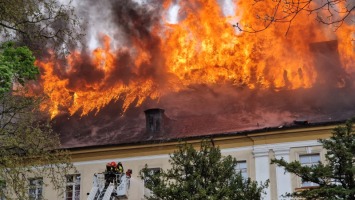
<point x="199" y="109"/>
<point x="129" y="25"/>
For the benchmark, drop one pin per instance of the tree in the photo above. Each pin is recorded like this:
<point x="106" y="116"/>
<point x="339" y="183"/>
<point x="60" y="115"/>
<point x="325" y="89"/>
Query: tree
<point x="336" y="176"/>
<point x="202" y="174"/>
<point x="28" y="146"/>
<point x="39" y="23"/>
<point x="329" y="12"/>
<point x="16" y="65"/>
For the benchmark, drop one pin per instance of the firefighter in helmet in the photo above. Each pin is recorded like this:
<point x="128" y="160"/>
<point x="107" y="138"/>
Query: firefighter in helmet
<point x="110" y="172"/>
<point x="120" y="168"/>
<point x="110" y="167"/>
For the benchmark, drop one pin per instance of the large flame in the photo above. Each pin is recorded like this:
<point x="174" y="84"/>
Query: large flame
<point x="202" y="48"/>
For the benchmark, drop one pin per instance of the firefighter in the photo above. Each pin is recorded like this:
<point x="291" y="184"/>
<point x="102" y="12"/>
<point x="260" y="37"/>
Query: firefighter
<point x="113" y="165"/>
<point x="120" y="168"/>
<point x="110" y="167"/>
<point x="110" y="172"/>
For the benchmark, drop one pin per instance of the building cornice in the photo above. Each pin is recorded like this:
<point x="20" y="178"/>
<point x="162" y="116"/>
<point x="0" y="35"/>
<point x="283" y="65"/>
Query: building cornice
<point x="257" y="140"/>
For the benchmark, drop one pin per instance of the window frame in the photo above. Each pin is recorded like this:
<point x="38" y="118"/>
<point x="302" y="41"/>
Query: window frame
<point x="147" y="192"/>
<point x="35" y="184"/>
<point x="242" y="171"/>
<point x="309" y="184"/>
<point x="73" y="183"/>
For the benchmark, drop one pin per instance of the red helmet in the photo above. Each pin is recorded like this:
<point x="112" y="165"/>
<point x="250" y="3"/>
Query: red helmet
<point x="113" y="164"/>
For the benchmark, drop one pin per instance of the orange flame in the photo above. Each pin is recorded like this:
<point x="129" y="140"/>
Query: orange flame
<point x="91" y="96"/>
<point x="203" y="48"/>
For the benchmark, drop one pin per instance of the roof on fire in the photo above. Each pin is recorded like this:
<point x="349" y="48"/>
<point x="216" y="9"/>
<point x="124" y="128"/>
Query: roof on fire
<point x="124" y="131"/>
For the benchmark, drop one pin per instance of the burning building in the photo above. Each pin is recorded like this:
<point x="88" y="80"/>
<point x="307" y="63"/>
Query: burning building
<point x="243" y="90"/>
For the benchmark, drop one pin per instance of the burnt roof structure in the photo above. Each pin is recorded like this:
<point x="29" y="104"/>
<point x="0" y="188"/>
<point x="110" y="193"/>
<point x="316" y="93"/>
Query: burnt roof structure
<point x="211" y="111"/>
<point x="193" y="127"/>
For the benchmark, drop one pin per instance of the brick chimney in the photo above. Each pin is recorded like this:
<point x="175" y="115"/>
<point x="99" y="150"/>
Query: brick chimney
<point x="154" y="120"/>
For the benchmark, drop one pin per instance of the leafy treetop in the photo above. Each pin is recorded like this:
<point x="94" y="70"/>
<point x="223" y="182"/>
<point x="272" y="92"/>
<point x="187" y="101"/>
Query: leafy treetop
<point x="202" y="174"/>
<point x="17" y="64"/>
<point x="336" y="176"/>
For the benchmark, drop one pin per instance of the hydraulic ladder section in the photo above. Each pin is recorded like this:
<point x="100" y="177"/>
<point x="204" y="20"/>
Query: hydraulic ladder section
<point x="108" y="192"/>
<point x="107" y="188"/>
<point x="122" y="189"/>
<point x="93" y="193"/>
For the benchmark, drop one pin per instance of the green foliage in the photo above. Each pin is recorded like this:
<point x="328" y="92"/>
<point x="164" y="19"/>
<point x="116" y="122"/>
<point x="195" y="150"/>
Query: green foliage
<point x="29" y="148"/>
<point x="16" y="65"/>
<point x="203" y="174"/>
<point x="336" y="177"/>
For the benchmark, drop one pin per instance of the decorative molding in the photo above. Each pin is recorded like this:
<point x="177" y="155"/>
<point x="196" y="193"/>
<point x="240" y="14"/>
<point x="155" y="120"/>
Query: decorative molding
<point x="261" y="152"/>
<point x="258" y="151"/>
<point x="305" y="143"/>
<point x="308" y="150"/>
<point x="282" y="151"/>
<point x="163" y="156"/>
<point x="238" y="149"/>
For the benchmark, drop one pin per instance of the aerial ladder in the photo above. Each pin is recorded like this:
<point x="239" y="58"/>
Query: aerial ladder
<point x="110" y="185"/>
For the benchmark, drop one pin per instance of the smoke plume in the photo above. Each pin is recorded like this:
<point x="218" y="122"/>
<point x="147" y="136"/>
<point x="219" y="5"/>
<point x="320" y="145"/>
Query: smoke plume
<point x="206" y="75"/>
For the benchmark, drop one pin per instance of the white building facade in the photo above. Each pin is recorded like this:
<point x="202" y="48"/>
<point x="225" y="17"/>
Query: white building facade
<point x="253" y="152"/>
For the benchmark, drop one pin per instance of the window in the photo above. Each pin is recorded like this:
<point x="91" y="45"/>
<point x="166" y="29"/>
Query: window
<point x="151" y="171"/>
<point x="35" y="188"/>
<point x="309" y="160"/>
<point x="72" y="189"/>
<point x="242" y="168"/>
